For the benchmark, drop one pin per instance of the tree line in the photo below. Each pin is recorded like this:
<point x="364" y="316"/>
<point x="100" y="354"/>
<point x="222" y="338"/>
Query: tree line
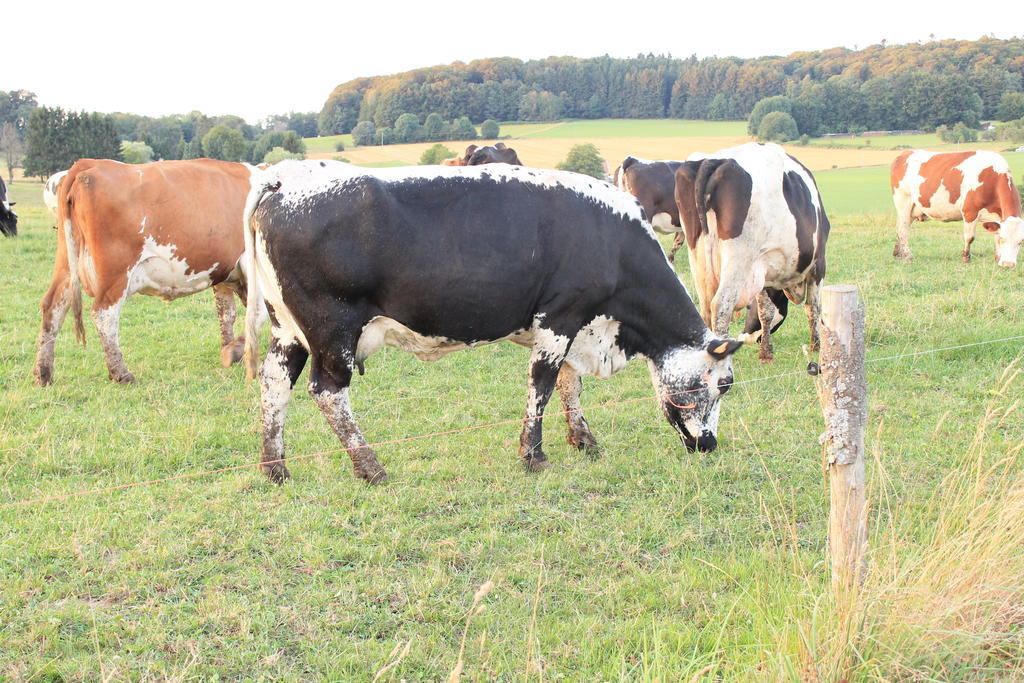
<point x="836" y="90"/>
<point x="45" y="140"/>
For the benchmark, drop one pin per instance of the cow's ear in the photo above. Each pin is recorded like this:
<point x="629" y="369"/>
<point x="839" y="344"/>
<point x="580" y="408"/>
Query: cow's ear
<point x="499" y="145"/>
<point x="991" y="227"/>
<point x="720" y="349"/>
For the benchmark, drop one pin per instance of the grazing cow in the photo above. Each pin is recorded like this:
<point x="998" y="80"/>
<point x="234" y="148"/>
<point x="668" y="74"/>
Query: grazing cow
<point x="50" y="191"/>
<point x="653" y="183"/>
<point x="491" y="154"/>
<point x="8" y="219"/>
<point x="167" y="229"/>
<point x="753" y="219"/>
<point x="970" y="186"/>
<point x="558" y="262"/>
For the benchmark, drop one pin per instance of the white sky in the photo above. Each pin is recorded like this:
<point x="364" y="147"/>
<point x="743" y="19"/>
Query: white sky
<point x="260" y="58"/>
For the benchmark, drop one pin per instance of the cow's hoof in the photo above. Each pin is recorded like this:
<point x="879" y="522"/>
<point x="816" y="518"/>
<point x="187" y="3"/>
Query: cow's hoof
<point x="232" y="353"/>
<point x="584" y="441"/>
<point x="902" y="253"/>
<point x="371" y="475"/>
<point x="276" y="472"/>
<point x="536" y="464"/>
<point x="44" y="376"/>
<point x="966" y="258"/>
<point x="125" y="378"/>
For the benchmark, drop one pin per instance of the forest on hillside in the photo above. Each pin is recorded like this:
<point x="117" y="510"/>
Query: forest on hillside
<point x="839" y="90"/>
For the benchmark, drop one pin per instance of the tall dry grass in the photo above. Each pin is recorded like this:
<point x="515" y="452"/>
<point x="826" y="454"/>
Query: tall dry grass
<point x="943" y="601"/>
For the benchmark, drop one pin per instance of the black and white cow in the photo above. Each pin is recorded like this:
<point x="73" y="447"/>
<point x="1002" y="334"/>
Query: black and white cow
<point x="754" y="220"/>
<point x="653" y="183"/>
<point x="8" y="219"/>
<point x="558" y="262"/>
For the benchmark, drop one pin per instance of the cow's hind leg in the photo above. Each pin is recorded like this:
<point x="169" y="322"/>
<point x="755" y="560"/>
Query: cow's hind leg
<point x="570" y="386"/>
<point x="677" y="241"/>
<point x="281" y="368"/>
<point x="54" y="307"/>
<point x="812" y="305"/>
<point x="329" y="380"/>
<point x="106" y="313"/>
<point x="230" y="347"/>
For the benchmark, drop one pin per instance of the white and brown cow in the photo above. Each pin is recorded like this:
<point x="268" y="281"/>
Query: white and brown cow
<point x="168" y="229"/>
<point x="974" y="186"/>
<point x="753" y="219"/>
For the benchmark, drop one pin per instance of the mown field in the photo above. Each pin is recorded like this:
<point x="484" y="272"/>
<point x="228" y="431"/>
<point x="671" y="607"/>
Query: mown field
<point x="645" y="563"/>
<point x="546" y="144"/>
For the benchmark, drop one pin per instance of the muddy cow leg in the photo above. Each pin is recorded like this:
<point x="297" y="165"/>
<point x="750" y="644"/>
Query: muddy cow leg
<point x="54" y="307"/>
<point x="766" y="312"/>
<point x="281" y="368"/>
<point x="970" y="227"/>
<point x="904" y="217"/>
<point x="106" y="313"/>
<point x="678" y="241"/>
<point x="545" y="363"/>
<point x="230" y="348"/>
<point x="570" y="386"/>
<point x="812" y="305"/>
<point x="328" y="385"/>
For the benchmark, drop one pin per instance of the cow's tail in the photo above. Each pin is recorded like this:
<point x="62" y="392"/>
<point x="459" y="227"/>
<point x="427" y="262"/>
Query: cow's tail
<point x="704" y="188"/>
<point x="261" y="183"/>
<point x="66" y="225"/>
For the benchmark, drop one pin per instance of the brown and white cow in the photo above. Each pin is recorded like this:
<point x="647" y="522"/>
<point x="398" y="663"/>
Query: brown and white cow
<point x="168" y="229"/>
<point x="974" y="186"/>
<point x="753" y="219"/>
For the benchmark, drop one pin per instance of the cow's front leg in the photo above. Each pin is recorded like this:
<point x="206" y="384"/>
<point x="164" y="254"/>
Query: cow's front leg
<point x="328" y="385"/>
<point x="281" y="369"/>
<point x="969" y="229"/>
<point x="544" y="370"/>
<point x="766" y="312"/>
<point x="230" y="348"/>
<point x="904" y="217"/>
<point x="570" y="386"/>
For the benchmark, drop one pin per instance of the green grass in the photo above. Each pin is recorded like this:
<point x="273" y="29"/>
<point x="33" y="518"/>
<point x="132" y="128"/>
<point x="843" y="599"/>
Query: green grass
<point x="630" y="128"/>
<point x="324" y="145"/>
<point x="645" y="563"/>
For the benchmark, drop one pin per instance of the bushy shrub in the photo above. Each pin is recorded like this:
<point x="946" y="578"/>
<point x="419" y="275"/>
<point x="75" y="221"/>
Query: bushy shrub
<point x="435" y="153"/>
<point x="136" y="153"/>
<point x="279" y="154"/>
<point x="778" y="126"/>
<point x="584" y="158"/>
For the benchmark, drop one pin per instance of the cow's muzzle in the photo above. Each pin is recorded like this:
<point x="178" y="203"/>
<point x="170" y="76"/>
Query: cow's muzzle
<point x="705" y="443"/>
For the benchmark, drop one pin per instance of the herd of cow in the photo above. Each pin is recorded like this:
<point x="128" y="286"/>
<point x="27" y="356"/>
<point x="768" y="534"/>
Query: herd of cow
<point x="435" y="259"/>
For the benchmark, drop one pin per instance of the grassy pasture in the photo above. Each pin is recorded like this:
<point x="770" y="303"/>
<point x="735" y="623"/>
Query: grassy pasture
<point x="922" y="141"/>
<point x="645" y="563"/>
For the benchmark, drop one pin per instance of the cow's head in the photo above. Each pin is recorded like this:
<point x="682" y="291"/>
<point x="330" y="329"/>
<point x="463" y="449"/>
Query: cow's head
<point x="690" y="383"/>
<point x="492" y="154"/>
<point x="1009" y="236"/>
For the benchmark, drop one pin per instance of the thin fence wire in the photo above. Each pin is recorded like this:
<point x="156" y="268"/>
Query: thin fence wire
<point x="461" y="430"/>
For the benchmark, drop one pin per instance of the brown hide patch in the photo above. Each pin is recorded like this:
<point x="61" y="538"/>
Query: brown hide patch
<point x="991" y="195"/>
<point x="941" y="170"/>
<point x="898" y="170"/>
<point x="730" y="188"/>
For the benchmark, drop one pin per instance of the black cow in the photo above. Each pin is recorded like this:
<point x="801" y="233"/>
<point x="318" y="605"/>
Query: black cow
<point x="491" y="154"/>
<point x="555" y="261"/>
<point x="8" y="219"/>
<point x="653" y="183"/>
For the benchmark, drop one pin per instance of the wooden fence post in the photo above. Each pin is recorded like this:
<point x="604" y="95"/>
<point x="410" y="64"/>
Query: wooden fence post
<point x="844" y="404"/>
